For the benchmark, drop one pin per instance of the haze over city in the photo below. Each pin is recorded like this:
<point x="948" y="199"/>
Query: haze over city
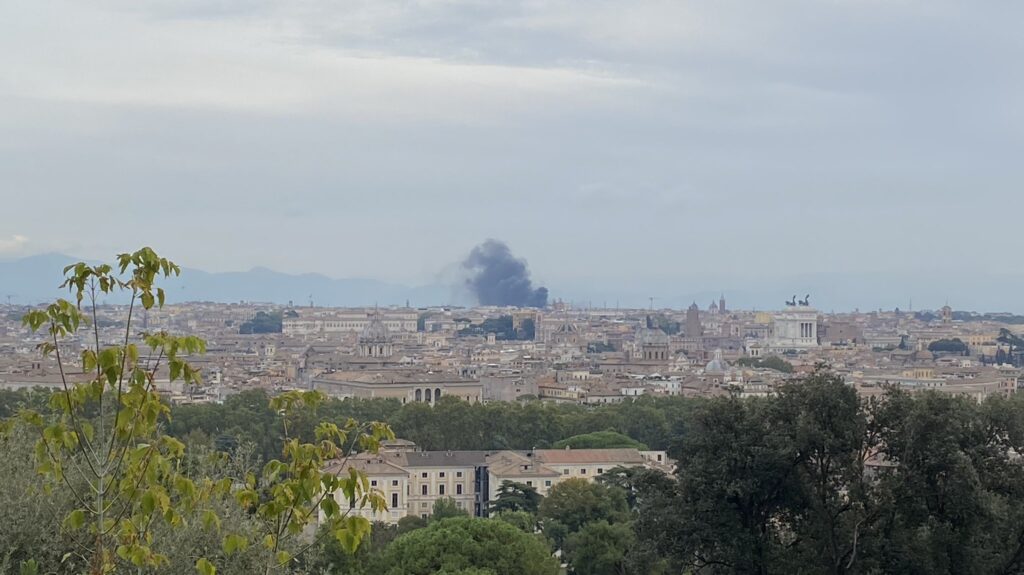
<point x="536" y="287"/>
<point x="862" y="151"/>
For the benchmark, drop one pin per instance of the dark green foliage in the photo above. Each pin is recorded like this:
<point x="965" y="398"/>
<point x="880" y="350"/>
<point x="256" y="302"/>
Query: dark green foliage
<point x="445" y="508"/>
<point x="513" y="496"/>
<point x="770" y="362"/>
<point x="522" y="520"/>
<point x="575" y="502"/>
<point x="599" y="440"/>
<point x="662" y="322"/>
<point x="332" y="558"/>
<point x="411" y="523"/>
<point x="502" y="329"/>
<point x="816" y="480"/>
<point x="600" y="548"/>
<point x="467" y="545"/>
<point x="948" y="346"/>
<point x="450" y="424"/>
<point x="263" y="323"/>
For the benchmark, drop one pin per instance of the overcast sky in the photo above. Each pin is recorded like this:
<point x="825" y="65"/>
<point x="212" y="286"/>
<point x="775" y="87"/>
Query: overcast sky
<point x="639" y="145"/>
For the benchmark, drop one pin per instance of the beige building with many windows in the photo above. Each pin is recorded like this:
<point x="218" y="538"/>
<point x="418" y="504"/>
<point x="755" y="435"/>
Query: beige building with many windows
<point x="406" y="385"/>
<point x="412" y="480"/>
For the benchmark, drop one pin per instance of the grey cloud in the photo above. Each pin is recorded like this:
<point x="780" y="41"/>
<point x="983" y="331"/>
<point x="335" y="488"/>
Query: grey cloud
<point x="668" y="143"/>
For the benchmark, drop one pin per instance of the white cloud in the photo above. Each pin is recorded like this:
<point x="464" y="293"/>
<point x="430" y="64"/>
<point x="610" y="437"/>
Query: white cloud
<point x="124" y="58"/>
<point x="13" y="244"/>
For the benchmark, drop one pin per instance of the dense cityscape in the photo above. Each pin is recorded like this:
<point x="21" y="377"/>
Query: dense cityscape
<point x="532" y="287"/>
<point x="557" y="354"/>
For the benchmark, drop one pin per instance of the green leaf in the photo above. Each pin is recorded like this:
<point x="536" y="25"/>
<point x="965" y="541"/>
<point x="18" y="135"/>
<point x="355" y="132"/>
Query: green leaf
<point x="29" y="567"/>
<point x="148" y="503"/>
<point x="75" y="519"/>
<point x="234" y="542"/>
<point x="283" y="557"/>
<point x="210" y="520"/>
<point x="204" y="567"/>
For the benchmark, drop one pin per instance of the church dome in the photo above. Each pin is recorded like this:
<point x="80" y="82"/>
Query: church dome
<point x="567" y="328"/>
<point x="646" y="336"/>
<point x="376" y="331"/>
<point x="717" y="364"/>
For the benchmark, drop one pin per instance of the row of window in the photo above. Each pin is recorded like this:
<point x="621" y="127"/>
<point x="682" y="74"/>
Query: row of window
<point x="428" y="505"/>
<point x="440" y="474"/>
<point x="583" y="471"/>
<point x="425" y="489"/>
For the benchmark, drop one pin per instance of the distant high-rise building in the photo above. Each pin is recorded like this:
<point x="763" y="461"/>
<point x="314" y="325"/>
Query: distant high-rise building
<point x="721" y="304"/>
<point x="693" y="328"/>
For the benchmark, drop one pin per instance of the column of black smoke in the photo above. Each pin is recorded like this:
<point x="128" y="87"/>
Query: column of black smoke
<point x="496" y="277"/>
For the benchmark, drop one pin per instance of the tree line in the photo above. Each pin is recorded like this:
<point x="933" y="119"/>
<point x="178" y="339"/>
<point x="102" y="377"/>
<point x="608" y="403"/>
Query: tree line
<point x="812" y="480"/>
<point x="451" y="424"/>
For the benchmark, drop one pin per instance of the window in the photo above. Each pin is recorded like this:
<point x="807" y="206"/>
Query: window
<point x="547" y="483"/>
<point x="600" y="471"/>
<point x="423" y="475"/>
<point x="458" y="474"/>
<point x="529" y="484"/>
<point x="424" y="505"/>
<point x="394" y="500"/>
<point x="441" y="474"/>
<point x="440" y="489"/>
<point x="458" y="489"/>
<point x="394" y="483"/>
<point x="583" y="471"/>
<point x="423" y="515"/>
<point x="373" y="483"/>
<point x="425" y="488"/>
<point x="565" y="472"/>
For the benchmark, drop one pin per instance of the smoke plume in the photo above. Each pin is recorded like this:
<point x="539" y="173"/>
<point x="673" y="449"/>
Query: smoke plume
<point x="496" y="277"/>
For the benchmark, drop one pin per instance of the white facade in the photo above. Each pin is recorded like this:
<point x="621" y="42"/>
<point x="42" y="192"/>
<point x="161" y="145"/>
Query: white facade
<point x="346" y="322"/>
<point x="794" y="329"/>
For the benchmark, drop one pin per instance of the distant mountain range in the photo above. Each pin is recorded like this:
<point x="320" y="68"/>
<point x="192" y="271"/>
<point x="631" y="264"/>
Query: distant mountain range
<point x="35" y="279"/>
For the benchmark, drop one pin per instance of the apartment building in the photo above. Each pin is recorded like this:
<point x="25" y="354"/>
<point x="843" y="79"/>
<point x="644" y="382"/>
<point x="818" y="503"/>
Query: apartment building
<point x="411" y="480"/>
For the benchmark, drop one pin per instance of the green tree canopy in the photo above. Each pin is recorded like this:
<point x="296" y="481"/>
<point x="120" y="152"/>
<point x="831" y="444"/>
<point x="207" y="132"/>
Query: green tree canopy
<point x="514" y="496"/>
<point x="445" y="508"/>
<point x="576" y="501"/>
<point x="263" y="323"/>
<point x="599" y="440"/>
<point x="769" y="362"/>
<point x="954" y="345"/>
<point x="460" y="544"/>
<point x="600" y="548"/>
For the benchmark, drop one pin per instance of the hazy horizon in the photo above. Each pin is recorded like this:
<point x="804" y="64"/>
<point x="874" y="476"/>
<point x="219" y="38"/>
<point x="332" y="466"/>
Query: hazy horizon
<point x="828" y="293"/>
